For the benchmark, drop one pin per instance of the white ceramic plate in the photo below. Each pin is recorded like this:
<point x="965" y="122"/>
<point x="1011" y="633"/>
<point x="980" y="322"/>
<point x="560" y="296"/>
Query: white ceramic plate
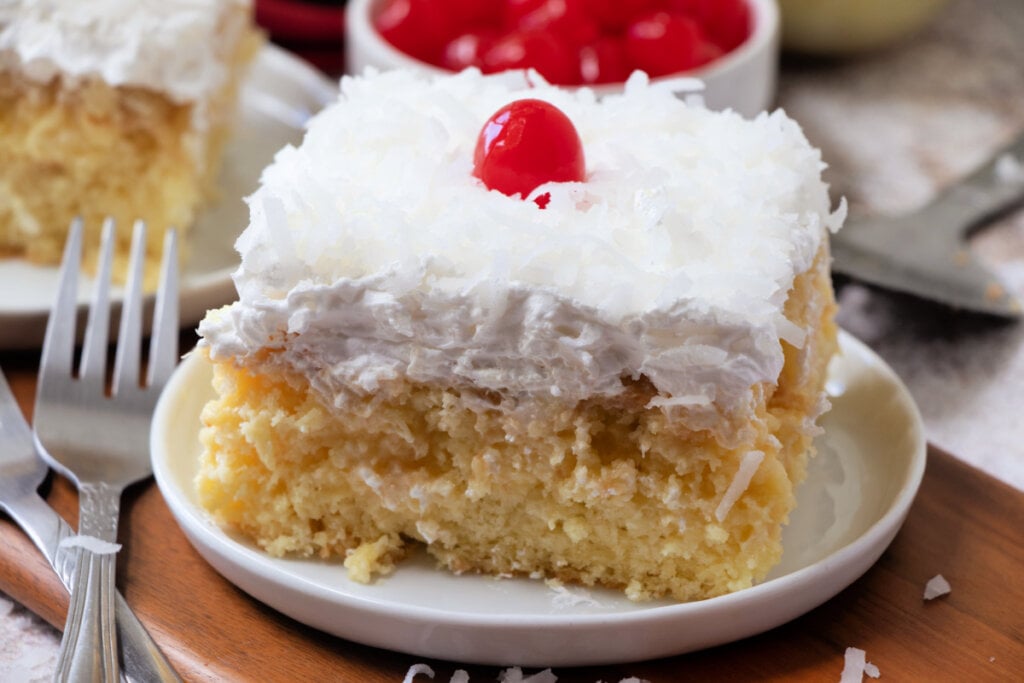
<point x="859" y="488"/>
<point x="278" y="96"/>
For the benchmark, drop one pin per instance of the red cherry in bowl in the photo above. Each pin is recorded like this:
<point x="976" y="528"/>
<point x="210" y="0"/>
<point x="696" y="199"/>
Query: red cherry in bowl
<point x="663" y="43"/>
<point x="551" y="57"/>
<point x="525" y="144"/>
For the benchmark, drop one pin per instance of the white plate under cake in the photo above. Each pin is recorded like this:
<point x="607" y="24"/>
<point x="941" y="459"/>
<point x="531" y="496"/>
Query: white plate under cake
<point x="858" y="490"/>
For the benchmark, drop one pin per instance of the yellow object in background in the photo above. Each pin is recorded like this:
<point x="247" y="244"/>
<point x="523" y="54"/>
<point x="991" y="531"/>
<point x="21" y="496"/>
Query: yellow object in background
<point x="846" y="26"/>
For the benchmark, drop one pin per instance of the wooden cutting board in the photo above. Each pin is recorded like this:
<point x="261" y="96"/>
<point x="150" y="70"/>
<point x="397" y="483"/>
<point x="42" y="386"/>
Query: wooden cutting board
<point x="964" y="525"/>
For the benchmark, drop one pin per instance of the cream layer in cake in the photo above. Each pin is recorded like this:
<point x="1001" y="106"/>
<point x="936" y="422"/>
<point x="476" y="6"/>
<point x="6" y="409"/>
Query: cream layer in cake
<point x="618" y="389"/>
<point x="113" y="107"/>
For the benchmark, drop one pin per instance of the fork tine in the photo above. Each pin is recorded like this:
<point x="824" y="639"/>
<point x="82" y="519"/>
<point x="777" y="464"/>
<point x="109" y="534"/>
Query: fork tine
<point x="59" y="342"/>
<point x="163" y="343"/>
<point x="129" y="338"/>
<point x="94" y="352"/>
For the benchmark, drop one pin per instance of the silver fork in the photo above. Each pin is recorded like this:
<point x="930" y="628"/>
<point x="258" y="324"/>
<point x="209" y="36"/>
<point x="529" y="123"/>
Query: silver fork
<point x="21" y="473"/>
<point x="99" y="442"/>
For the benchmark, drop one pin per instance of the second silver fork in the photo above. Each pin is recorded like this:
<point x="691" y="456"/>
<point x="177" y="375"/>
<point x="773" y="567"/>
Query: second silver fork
<point x="21" y="473"/>
<point x="101" y="442"/>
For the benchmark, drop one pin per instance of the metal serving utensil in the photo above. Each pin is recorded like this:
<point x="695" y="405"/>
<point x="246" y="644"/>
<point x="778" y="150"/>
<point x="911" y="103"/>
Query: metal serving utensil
<point x="21" y="473"/>
<point x="98" y="441"/>
<point x="923" y="253"/>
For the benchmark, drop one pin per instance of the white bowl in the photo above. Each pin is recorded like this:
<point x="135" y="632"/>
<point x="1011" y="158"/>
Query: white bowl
<point x="742" y="80"/>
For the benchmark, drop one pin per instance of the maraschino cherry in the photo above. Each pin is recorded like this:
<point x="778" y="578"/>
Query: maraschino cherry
<point x="525" y="144"/>
<point x="569" y="42"/>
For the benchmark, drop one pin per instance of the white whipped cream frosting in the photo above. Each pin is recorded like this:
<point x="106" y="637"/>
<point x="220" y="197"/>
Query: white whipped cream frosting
<point x="374" y="255"/>
<point x="176" y="47"/>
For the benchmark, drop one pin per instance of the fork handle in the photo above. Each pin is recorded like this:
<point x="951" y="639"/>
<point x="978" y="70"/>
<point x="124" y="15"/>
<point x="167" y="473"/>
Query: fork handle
<point x="88" y="649"/>
<point x="143" y="660"/>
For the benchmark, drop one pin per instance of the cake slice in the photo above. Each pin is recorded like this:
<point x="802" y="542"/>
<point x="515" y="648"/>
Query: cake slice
<point x="617" y="389"/>
<point x="117" y="108"/>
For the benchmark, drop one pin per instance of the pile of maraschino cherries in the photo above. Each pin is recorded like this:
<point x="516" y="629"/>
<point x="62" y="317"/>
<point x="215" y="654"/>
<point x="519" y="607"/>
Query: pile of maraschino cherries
<point x="569" y="42"/>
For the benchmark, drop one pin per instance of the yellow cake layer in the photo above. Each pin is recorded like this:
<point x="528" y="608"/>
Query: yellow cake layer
<point x="83" y="148"/>
<point x="603" y="492"/>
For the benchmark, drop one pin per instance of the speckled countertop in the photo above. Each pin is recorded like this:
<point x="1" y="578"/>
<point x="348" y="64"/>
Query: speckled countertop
<point x="895" y="127"/>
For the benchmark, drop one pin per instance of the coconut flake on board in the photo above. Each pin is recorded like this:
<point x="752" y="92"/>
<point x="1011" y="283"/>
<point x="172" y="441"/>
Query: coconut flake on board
<point x="415" y="670"/>
<point x="458" y="676"/>
<point x="515" y="675"/>
<point x="511" y="675"/>
<point x="855" y="665"/>
<point x="937" y="586"/>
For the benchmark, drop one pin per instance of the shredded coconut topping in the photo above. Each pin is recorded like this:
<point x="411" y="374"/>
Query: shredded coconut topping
<point x="748" y="466"/>
<point x="378" y="256"/>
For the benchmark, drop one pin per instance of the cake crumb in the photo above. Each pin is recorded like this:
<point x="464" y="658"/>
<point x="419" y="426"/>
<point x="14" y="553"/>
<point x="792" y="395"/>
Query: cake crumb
<point x="937" y="586"/>
<point x="994" y="291"/>
<point x="855" y="665"/>
<point x="372" y="558"/>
